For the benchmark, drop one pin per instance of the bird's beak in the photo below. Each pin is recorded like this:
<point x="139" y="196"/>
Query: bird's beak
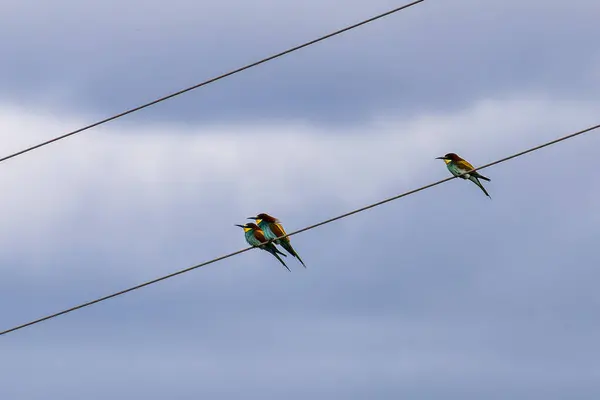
<point x="252" y="218"/>
<point x="241" y="226"/>
<point x="440" y="158"/>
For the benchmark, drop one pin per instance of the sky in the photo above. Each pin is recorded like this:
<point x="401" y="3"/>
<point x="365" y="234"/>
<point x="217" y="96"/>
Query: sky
<point x="444" y="294"/>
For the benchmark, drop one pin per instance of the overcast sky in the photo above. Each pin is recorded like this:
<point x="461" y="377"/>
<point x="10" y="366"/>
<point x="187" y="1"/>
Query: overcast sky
<point x="445" y="294"/>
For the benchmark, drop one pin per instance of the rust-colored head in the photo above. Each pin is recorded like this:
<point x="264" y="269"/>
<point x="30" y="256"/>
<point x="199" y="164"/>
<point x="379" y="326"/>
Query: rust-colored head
<point x="264" y="217"/>
<point x="450" y="157"/>
<point x="248" y="227"/>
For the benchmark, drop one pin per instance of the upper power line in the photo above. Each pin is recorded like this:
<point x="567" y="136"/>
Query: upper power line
<point x="248" y="66"/>
<point x="358" y="210"/>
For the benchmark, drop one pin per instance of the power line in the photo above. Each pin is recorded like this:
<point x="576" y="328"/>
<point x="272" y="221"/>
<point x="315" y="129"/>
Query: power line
<point x="248" y="66"/>
<point x="214" y="260"/>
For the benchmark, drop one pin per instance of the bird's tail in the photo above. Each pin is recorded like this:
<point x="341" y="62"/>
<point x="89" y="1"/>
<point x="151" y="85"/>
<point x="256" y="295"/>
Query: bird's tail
<point x="288" y="247"/>
<point x="475" y="180"/>
<point x="279" y="252"/>
<point x="273" y="250"/>
<point x="485" y="178"/>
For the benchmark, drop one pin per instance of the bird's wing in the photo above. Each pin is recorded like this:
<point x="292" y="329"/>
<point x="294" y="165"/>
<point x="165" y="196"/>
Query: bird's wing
<point x="464" y="165"/>
<point x="277" y="229"/>
<point x="259" y="236"/>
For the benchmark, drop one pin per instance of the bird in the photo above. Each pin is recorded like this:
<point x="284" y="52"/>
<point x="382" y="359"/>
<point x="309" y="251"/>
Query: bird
<point x="273" y="229"/>
<point x="256" y="237"/>
<point x="457" y="165"/>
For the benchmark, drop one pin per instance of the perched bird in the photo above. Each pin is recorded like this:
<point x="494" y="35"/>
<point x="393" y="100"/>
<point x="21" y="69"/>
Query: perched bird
<point x="256" y="237"/>
<point x="457" y="166"/>
<point x="273" y="229"/>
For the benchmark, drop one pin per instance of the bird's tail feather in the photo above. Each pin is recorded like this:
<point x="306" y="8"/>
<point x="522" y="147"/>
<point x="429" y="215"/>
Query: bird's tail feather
<point x="288" y="247"/>
<point x="485" y="178"/>
<point x="273" y="250"/>
<point x="476" y="181"/>
<point x="281" y="261"/>
<point x="279" y="252"/>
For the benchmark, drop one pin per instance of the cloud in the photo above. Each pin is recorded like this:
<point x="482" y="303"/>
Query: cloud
<point x="437" y="56"/>
<point x="444" y="291"/>
<point x="155" y="172"/>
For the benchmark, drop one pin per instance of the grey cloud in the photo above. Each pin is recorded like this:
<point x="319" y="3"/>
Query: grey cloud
<point x="441" y="294"/>
<point x="437" y="56"/>
<point x="506" y="306"/>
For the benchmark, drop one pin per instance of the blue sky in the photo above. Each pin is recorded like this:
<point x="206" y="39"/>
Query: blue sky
<point x="444" y="294"/>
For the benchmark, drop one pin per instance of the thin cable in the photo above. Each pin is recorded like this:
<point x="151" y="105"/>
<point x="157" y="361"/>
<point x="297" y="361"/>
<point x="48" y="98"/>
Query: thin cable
<point x="254" y="64"/>
<point x="37" y="321"/>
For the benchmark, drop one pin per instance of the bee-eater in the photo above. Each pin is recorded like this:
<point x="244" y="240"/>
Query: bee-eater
<point x="272" y="228"/>
<point x="256" y="237"/>
<point x="457" y="166"/>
